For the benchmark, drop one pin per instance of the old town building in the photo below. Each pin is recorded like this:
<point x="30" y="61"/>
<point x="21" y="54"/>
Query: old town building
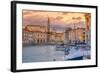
<point x="36" y="34"/>
<point x="77" y="35"/>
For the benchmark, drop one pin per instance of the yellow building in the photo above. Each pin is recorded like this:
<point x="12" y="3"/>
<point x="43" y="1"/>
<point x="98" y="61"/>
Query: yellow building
<point x="33" y="34"/>
<point x="36" y="34"/>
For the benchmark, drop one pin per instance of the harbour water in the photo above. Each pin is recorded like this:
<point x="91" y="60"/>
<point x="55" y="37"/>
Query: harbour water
<point x="45" y="53"/>
<point x="41" y="54"/>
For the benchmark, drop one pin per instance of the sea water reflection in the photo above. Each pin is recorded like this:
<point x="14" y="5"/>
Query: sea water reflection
<point x="44" y="53"/>
<point x="41" y="53"/>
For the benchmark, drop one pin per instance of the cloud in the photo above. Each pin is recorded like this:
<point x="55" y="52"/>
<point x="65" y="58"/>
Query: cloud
<point x="34" y="20"/>
<point x="58" y="20"/>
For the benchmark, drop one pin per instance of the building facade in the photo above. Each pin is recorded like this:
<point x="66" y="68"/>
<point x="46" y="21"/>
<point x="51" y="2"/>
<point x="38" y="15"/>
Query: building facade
<point x="77" y="35"/>
<point x="34" y="35"/>
<point x="38" y="35"/>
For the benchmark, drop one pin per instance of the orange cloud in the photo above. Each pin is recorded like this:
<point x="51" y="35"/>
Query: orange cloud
<point x="56" y="18"/>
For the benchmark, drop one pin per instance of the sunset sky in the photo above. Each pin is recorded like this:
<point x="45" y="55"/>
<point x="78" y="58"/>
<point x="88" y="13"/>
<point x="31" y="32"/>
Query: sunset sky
<point x="59" y="20"/>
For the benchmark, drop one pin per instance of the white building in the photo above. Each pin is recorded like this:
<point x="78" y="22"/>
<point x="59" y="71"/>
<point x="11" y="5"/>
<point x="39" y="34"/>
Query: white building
<point x="77" y="35"/>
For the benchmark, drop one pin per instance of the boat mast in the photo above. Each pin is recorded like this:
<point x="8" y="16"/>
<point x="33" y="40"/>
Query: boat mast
<point x="48" y="30"/>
